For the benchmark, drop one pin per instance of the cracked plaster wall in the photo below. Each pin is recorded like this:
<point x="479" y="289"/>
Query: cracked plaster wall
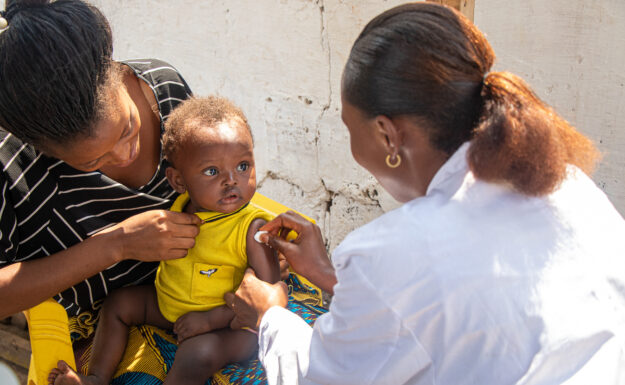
<point x="281" y="61"/>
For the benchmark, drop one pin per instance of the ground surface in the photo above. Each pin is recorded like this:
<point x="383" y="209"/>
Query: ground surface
<point x="15" y="347"/>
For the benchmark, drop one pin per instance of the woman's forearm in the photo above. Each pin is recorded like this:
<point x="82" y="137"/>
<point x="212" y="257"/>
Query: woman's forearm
<point x="153" y="235"/>
<point x="25" y="284"/>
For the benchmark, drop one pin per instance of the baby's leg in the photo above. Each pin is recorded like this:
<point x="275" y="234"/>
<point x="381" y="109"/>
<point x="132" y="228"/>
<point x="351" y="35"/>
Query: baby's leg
<point x="201" y="356"/>
<point x="131" y="306"/>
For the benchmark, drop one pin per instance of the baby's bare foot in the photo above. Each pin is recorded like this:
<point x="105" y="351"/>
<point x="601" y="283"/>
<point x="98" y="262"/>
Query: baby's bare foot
<point x="192" y="324"/>
<point x="64" y="375"/>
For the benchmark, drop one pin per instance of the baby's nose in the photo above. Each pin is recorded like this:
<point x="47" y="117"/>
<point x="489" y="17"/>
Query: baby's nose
<point x="229" y="178"/>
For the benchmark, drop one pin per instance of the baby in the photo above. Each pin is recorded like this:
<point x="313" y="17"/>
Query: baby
<point x="209" y="145"/>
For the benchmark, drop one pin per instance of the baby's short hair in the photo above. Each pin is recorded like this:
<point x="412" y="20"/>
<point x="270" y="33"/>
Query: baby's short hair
<point x="193" y="113"/>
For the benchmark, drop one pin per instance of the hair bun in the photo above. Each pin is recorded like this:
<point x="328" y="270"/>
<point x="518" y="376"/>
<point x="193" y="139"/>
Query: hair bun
<point x="14" y="6"/>
<point x="27" y="3"/>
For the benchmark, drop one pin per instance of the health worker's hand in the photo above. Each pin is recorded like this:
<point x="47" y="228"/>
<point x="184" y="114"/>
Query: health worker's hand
<point x="253" y="298"/>
<point x="306" y="254"/>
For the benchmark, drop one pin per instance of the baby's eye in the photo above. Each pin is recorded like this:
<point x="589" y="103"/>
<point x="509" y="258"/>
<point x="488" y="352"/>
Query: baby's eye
<point x="211" y="171"/>
<point x="243" y="166"/>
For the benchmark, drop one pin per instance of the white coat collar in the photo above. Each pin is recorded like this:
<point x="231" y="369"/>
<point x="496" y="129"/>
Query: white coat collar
<point x="456" y="163"/>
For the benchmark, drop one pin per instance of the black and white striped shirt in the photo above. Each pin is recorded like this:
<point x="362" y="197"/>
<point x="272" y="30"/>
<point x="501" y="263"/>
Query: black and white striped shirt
<point x="48" y="206"/>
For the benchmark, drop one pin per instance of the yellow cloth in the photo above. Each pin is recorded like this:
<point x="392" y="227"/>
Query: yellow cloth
<point x="213" y="267"/>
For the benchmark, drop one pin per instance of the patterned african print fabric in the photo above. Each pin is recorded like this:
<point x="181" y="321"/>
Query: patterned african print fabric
<point x="150" y="351"/>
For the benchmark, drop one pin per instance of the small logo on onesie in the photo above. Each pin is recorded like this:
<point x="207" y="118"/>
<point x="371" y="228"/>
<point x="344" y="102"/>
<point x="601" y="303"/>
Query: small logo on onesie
<point x="208" y="273"/>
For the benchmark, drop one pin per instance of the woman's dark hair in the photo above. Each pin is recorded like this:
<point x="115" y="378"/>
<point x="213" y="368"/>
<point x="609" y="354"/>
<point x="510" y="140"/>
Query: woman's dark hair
<point x="55" y="60"/>
<point x="430" y="62"/>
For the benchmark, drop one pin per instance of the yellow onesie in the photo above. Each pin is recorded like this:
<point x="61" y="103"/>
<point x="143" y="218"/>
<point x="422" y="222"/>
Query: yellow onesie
<point x="213" y="267"/>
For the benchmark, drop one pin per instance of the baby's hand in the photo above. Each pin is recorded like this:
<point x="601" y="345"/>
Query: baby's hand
<point x="192" y="324"/>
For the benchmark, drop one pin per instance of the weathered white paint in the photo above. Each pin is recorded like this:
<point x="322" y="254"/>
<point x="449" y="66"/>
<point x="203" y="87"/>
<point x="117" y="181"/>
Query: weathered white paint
<point x="281" y="61"/>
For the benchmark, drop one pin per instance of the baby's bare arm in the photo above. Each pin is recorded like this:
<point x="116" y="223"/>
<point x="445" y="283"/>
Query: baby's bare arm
<point x="261" y="258"/>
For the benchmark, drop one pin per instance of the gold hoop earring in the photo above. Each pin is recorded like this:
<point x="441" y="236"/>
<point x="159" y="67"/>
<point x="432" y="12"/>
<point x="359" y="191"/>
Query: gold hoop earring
<point x="393" y="165"/>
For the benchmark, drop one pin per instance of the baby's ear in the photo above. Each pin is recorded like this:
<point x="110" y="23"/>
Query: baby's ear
<point x="175" y="180"/>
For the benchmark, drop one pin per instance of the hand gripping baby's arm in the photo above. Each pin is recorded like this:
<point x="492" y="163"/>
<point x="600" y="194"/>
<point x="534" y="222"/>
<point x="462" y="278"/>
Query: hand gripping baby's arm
<point x="261" y="258"/>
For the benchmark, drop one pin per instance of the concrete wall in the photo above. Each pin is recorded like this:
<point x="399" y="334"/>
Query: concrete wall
<point x="281" y="61"/>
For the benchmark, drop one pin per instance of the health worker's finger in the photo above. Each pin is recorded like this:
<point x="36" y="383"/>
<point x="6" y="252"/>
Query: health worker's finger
<point x="289" y="220"/>
<point x="236" y="323"/>
<point x="283" y="246"/>
<point x="229" y="298"/>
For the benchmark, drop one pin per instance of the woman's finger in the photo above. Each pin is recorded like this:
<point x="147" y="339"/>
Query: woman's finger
<point x="176" y="253"/>
<point x="179" y="242"/>
<point x="183" y="218"/>
<point x="183" y="231"/>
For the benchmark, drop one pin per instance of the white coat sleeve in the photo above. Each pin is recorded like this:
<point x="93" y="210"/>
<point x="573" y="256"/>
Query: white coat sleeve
<point x="359" y="341"/>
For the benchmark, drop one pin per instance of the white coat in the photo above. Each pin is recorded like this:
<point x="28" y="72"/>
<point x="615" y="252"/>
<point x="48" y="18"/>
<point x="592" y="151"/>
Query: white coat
<point x="471" y="284"/>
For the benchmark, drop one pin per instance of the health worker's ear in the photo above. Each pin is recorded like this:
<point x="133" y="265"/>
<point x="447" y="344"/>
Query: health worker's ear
<point x="175" y="180"/>
<point x="389" y="134"/>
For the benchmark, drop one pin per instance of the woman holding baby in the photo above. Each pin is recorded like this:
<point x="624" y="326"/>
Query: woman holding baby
<point x="85" y="198"/>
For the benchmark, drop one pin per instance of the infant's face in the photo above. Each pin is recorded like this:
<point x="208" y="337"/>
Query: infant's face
<point x="216" y="166"/>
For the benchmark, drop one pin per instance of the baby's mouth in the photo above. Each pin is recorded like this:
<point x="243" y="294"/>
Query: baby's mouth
<point x="230" y="198"/>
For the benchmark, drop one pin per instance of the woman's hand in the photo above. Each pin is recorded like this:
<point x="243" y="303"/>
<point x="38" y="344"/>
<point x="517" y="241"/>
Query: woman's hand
<point x="253" y="298"/>
<point x="150" y="236"/>
<point x="154" y="235"/>
<point x="306" y="254"/>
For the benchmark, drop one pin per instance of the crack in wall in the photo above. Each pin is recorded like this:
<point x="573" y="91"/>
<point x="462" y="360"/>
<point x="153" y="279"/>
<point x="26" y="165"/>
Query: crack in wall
<point x="325" y="46"/>
<point x="328" y="212"/>
<point x="324" y="199"/>
<point x="327" y="203"/>
<point x="331" y="195"/>
<point x="373" y="195"/>
<point x="274" y="176"/>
